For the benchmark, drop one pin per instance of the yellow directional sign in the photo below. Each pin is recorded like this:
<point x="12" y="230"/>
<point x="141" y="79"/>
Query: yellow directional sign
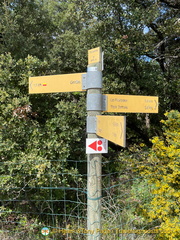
<point x="94" y="55"/>
<point x="112" y="128"/>
<point x="56" y="83"/>
<point x="131" y="103"/>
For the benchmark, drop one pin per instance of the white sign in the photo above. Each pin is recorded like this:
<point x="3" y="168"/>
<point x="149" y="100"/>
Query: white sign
<point x="96" y="145"/>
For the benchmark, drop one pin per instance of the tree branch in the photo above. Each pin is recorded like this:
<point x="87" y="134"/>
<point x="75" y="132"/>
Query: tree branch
<point x="155" y="29"/>
<point x="172" y="3"/>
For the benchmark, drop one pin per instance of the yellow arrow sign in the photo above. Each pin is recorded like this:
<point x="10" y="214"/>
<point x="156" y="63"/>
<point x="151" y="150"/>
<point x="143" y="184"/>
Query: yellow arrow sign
<point x="56" y="83"/>
<point x="131" y="103"/>
<point x="112" y="128"/>
<point x="94" y="55"/>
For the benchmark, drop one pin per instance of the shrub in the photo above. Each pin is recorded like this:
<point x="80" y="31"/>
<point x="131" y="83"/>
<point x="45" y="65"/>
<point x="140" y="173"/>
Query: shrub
<point x="162" y="170"/>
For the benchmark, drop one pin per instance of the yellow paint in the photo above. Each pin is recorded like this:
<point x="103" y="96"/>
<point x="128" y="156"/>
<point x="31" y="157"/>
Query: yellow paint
<point x="94" y="55"/>
<point x="112" y="128"/>
<point x="56" y="83"/>
<point x="132" y="103"/>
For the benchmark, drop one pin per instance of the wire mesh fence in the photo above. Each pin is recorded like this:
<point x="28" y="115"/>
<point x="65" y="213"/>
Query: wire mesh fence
<point x="56" y="198"/>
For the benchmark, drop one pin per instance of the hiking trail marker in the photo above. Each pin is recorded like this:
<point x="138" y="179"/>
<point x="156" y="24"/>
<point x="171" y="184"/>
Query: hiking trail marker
<point x="57" y="83"/>
<point x="96" y="145"/>
<point x="112" y="128"/>
<point x="94" y="55"/>
<point x="131" y="103"/>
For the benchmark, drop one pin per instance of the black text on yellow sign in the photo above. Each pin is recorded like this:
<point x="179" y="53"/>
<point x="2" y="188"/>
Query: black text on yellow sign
<point x="131" y="103"/>
<point x="112" y="128"/>
<point x="56" y="83"/>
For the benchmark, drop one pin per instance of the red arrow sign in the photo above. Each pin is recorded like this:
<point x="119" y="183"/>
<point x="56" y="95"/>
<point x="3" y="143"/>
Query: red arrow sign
<point x="93" y="145"/>
<point x="98" y="145"/>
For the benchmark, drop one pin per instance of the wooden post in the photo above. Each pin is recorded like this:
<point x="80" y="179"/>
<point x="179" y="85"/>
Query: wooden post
<point x="94" y="173"/>
<point x="94" y="166"/>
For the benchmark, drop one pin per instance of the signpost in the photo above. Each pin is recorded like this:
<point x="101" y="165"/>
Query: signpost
<point x="56" y="83"/>
<point x="112" y="128"/>
<point x="94" y="166"/>
<point x="131" y="103"/>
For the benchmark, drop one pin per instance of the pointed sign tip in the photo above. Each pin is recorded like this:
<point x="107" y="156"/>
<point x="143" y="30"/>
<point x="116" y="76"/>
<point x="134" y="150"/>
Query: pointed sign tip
<point x="93" y="145"/>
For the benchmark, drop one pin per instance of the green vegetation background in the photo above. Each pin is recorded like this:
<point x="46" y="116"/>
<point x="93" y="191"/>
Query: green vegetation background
<point x="140" y="40"/>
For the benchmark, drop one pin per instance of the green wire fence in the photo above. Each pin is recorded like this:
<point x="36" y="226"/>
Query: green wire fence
<point x="56" y="198"/>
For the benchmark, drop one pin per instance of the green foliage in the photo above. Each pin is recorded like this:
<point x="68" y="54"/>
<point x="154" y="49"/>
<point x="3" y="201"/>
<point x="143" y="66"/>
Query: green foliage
<point x="33" y="131"/>
<point x="140" y="40"/>
<point x="26" y="28"/>
<point x="163" y="171"/>
<point x="50" y="133"/>
<point x="62" y="31"/>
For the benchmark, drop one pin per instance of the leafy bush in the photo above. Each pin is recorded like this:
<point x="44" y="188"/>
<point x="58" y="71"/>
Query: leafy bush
<point x="162" y="170"/>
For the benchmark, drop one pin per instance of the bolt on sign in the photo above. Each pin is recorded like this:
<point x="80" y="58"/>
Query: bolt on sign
<point x="56" y="83"/>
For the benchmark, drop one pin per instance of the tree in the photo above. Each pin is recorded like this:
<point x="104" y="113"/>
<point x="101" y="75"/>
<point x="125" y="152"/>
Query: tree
<point x="32" y="135"/>
<point x="25" y="28"/>
<point x="61" y="32"/>
<point x="140" y="58"/>
<point x="162" y="40"/>
<point x="140" y="41"/>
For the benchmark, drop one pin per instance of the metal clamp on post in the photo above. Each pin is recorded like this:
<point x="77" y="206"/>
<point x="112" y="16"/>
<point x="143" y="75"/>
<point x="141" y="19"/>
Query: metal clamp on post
<point x="84" y="77"/>
<point x="93" y="80"/>
<point x="94" y="102"/>
<point x="104" y="102"/>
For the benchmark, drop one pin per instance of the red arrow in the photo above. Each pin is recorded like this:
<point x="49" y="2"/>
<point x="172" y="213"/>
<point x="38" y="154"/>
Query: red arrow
<point x="93" y="145"/>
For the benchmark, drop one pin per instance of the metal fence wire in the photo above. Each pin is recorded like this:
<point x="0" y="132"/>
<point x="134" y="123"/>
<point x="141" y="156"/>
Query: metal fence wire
<point x="56" y="198"/>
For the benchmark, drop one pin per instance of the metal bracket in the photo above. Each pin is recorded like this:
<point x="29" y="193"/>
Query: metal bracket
<point x="92" y="67"/>
<point x="102" y="62"/>
<point x="93" y="79"/>
<point x="84" y="77"/>
<point x="104" y="103"/>
<point x="91" y="124"/>
<point x="94" y="102"/>
<point x="99" y="66"/>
